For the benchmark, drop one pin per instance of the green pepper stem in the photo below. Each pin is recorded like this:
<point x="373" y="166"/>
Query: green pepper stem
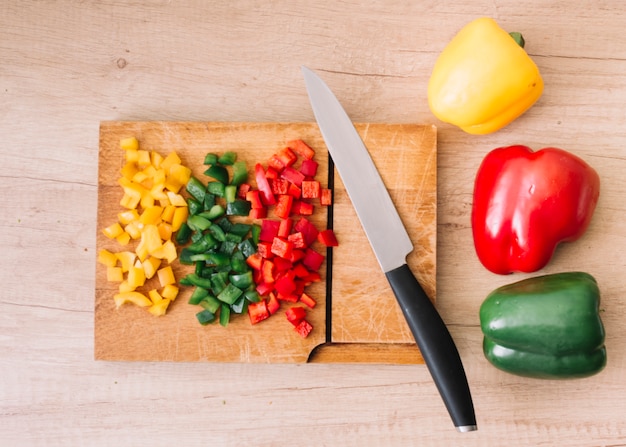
<point x="518" y="38"/>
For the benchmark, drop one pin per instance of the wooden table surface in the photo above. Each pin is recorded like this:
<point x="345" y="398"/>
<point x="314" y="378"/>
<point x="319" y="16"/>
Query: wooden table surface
<point x="66" y="66"/>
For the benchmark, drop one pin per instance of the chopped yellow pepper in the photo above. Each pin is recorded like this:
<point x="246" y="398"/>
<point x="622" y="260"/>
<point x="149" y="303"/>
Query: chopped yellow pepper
<point x="136" y="298"/>
<point x="159" y="309"/>
<point x="483" y="79"/>
<point x="107" y="258"/>
<point x="154" y="211"/>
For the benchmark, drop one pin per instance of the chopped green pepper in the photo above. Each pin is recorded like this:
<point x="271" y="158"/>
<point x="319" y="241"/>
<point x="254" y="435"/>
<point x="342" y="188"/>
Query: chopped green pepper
<point x="196" y="189"/>
<point x="227" y="158"/>
<point x="219" y="173"/>
<point x="205" y="317"/>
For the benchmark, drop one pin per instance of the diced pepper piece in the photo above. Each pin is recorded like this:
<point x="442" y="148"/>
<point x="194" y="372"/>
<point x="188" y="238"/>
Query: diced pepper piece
<point x="304" y="328"/>
<point x="113" y="230"/>
<point x="295" y="315"/>
<point x="312" y="259"/>
<point x="294" y="191"/>
<point x="115" y="274"/>
<point x="308" y="300"/>
<point x="107" y="258"/>
<point x="284" y="229"/>
<point x="263" y="185"/>
<point x="308" y="230"/>
<point x="166" y="276"/>
<point x="196" y="188"/>
<point x="301" y="148"/>
<point x="283" y="206"/>
<point x="292" y="175"/>
<point x="328" y="238"/>
<point x="258" y="311"/>
<point x="136" y="277"/>
<point x="170" y="292"/>
<point x="255" y="261"/>
<point x="227" y="158"/>
<point x="127" y="259"/>
<point x="155" y="296"/>
<point x="219" y="173"/>
<point x="285" y="285"/>
<point x="309" y="168"/>
<point x="130" y="143"/>
<point x="159" y="309"/>
<point x="240" y="173"/>
<point x="279" y="186"/>
<point x="137" y="298"/>
<point x="269" y="230"/>
<point x="310" y="189"/>
<point x="281" y="247"/>
<point x="205" y="317"/>
<point x="210" y="159"/>
<point x="326" y="197"/>
<point x="272" y="304"/>
<point x="238" y="207"/>
<point x="268" y="269"/>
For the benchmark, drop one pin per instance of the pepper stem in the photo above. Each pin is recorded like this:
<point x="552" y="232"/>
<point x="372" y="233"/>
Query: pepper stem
<point x="518" y="38"/>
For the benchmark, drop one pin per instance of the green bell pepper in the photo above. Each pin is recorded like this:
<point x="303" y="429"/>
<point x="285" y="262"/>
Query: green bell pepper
<point x="545" y="327"/>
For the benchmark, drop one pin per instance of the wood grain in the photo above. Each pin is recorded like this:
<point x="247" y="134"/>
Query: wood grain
<point x="69" y="65"/>
<point x="407" y="156"/>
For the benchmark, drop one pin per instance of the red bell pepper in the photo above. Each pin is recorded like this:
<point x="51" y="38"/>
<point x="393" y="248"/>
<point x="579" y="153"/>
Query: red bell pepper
<point x="526" y="203"/>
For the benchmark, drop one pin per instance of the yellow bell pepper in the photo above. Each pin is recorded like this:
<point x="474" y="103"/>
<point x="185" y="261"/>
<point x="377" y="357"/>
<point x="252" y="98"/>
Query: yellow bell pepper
<point x="483" y="79"/>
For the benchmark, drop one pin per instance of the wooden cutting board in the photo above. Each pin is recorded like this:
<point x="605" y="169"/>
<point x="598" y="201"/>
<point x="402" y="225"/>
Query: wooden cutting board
<point x="360" y="322"/>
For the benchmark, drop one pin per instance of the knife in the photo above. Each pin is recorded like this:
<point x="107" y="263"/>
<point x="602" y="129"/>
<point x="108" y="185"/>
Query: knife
<point x="391" y="244"/>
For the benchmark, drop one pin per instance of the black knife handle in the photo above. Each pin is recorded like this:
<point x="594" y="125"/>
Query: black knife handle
<point x="436" y="345"/>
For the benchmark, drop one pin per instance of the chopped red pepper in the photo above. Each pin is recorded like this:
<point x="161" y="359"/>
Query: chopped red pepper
<point x="273" y="304"/>
<point x="255" y="260"/>
<point x="264" y="288"/>
<point x="282" y="247"/>
<point x="271" y="173"/>
<point x="268" y="269"/>
<point x="280" y="186"/>
<point x="275" y="163"/>
<point x="282" y="264"/>
<point x="312" y="259"/>
<point x="265" y="249"/>
<point x="258" y="311"/>
<point x="243" y="189"/>
<point x="269" y="230"/>
<point x="294" y="191"/>
<point x="264" y="187"/>
<point x="306" y="299"/>
<point x="284" y="229"/>
<point x="295" y="315"/>
<point x="308" y="230"/>
<point x="287" y="156"/>
<point x="283" y="206"/>
<point x="296" y="255"/>
<point x="302" y="149"/>
<point x="326" y="197"/>
<point x="300" y="271"/>
<point x="258" y="213"/>
<point x="297" y="239"/>
<point x="292" y="175"/>
<point x="254" y="197"/>
<point x="304" y="328"/>
<point x="310" y="189"/>
<point x="309" y="168"/>
<point x="328" y="238"/>
<point x="285" y="285"/>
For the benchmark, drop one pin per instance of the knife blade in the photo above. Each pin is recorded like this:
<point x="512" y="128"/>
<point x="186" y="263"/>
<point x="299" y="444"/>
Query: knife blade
<point x="391" y="244"/>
